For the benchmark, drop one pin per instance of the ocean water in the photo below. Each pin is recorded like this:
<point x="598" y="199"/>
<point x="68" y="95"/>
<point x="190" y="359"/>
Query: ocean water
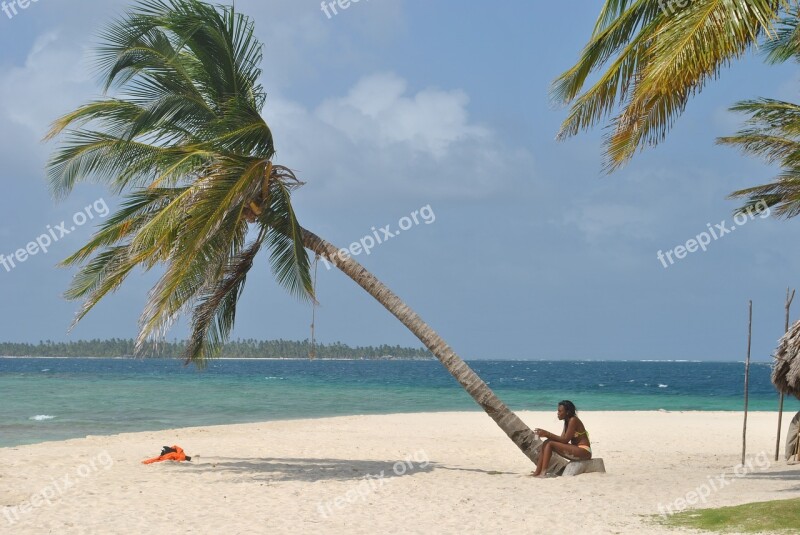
<point x="56" y="399"/>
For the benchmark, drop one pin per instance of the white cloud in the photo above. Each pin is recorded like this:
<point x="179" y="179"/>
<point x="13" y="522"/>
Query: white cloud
<point x="611" y="220"/>
<point x="377" y="110"/>
<point x="52" y="80"/>
<point x="380" y="139"/>
<point x="302" y="46"/>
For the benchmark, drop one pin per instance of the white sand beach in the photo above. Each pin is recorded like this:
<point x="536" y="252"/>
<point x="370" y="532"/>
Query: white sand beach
<point x="404" y="473"/>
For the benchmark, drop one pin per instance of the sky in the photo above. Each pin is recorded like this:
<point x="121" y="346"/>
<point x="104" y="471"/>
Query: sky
<point x="437" y="117"/>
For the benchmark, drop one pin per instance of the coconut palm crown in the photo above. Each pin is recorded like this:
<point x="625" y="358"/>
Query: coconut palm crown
<point x="652" y="57"/>
<point x="184" y="138"/>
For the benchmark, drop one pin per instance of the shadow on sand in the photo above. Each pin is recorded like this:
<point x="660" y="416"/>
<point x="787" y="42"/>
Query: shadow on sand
<point x="786" y="475"/>
<point x="308" y="469"/>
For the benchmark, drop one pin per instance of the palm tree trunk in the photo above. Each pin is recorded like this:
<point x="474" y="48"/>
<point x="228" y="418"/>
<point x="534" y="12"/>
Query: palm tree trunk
<point x="509" y="422"/>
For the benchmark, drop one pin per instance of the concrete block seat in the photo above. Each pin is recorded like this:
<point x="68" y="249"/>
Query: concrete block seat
<point x="560" y="465"/>
<point x="584" y="467"/>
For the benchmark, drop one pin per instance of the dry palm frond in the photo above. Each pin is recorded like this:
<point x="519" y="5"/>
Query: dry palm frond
<point x="786" y="367"/>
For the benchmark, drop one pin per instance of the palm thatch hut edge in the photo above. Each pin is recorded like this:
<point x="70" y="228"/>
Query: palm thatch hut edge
<point x="786" y="368"/>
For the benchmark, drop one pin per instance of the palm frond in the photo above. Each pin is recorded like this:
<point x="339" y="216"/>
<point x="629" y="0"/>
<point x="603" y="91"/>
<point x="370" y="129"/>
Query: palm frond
<point x="771" y="132"/>
<point x="616" y="33"/>
<point x="785" y="44"/>
<point x="782" y="196"/>
<point x="136" y="211"/>
<point x="660" y="60"/>
<point x="288" y="257"/>
<point x="215" y="313"/>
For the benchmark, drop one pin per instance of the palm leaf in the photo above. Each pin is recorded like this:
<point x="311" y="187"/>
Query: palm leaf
<point x="786" y="43"/>
<point x="288" y="257"/>
<point x="772" y="132"/>
<point x="215" y="313"/>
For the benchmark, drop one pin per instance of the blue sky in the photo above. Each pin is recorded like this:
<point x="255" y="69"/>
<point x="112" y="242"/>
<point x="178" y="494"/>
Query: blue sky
<point x="390" y="106"/>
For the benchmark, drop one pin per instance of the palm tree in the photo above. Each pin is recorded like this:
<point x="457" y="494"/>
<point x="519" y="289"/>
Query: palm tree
<point x="658" y="54"/>
<point x="185" y="142"/>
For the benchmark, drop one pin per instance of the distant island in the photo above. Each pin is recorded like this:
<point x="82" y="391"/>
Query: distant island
<point x="243" y="349"/>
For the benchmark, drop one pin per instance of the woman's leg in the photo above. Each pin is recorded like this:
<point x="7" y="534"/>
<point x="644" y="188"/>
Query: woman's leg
<point x="544" y="458"/>
<point x="568" y="449"/>
<point x="571" y="451"/>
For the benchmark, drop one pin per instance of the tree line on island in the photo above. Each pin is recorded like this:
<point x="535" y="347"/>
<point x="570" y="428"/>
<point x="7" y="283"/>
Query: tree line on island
<point x="118" y="347"/>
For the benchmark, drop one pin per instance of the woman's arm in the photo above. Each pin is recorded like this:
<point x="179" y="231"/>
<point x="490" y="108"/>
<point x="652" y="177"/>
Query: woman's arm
<point x="565" y="437"/>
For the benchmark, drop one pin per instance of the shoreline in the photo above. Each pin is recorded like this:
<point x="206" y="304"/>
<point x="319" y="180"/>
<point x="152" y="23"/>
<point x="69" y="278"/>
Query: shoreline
<point x="786" y="414"/>
<point x="366" y="473"/>
<point x="477" y="411"/>
<point x="432" y="359"/>
<point x="222" y="358"/>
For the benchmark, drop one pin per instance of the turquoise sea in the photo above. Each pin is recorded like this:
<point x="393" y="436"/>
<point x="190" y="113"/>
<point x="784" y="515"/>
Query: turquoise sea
<point x="56" y="399"/>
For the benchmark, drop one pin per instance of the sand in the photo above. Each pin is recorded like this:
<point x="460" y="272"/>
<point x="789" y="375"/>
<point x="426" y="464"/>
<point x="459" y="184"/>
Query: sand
<point x="403" y="473"/>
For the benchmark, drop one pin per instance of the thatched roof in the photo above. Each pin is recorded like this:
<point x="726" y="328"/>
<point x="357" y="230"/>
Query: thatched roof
<point x="786" y="368"/>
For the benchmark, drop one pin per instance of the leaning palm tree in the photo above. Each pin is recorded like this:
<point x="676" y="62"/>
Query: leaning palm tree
<point x="658" y="54"/>
<point x="185" y="142"/>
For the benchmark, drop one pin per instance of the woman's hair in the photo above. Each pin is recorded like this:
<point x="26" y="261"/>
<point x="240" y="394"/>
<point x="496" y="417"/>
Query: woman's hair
<point x="571" y="411"/>
<point x="570" y="406"/>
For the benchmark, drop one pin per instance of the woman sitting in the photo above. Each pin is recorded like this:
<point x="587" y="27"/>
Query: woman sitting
<point x="573" y="443"/>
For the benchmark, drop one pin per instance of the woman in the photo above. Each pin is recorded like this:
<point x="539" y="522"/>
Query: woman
<point x="573" y="443"/>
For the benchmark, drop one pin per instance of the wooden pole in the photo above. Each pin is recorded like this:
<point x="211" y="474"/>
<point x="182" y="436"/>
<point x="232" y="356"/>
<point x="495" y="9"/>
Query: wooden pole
<point x="747" y="378"/>
<point x="788" y="304"/>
